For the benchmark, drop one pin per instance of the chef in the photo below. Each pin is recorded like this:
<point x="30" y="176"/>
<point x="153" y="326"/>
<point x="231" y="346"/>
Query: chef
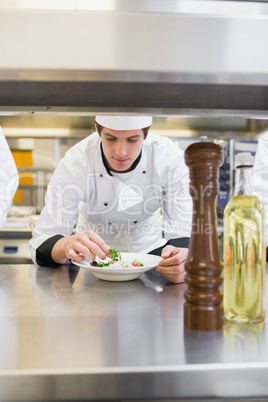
<point x="9" y="178"/>
<point x="122" y="187"/>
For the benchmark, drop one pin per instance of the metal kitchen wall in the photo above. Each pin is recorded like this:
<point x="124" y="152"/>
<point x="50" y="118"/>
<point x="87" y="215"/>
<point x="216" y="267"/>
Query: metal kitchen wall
<point x="180" y="58"/>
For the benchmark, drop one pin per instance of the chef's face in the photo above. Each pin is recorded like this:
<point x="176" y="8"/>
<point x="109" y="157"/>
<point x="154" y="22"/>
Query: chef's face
<point x="121" y="148"/>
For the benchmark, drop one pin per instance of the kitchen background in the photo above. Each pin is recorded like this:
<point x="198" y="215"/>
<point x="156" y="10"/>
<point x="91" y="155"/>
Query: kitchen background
<point x="39" y="142"/>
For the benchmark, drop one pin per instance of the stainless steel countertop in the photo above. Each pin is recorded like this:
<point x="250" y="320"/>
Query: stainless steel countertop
<point x="68" y="336"/>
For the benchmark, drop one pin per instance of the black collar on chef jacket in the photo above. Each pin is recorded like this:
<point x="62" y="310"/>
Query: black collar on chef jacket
<point x="134" y="164"/>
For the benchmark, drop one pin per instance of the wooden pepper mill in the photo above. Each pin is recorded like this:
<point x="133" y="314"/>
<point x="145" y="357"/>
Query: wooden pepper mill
<point x="203" y="298"/>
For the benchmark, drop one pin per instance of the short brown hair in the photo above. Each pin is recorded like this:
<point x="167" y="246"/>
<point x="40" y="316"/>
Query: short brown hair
<point x="100" y="128"/>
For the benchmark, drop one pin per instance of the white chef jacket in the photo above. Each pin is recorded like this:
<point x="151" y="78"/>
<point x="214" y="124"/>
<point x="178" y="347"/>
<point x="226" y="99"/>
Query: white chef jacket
<point x="123" y="208"/>
<point x="9" y="178"/>
<point x="260" y="178"/>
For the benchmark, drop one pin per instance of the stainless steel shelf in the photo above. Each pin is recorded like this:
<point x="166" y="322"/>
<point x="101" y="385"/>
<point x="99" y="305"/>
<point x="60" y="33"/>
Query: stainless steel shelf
<point x="181" y="58"/>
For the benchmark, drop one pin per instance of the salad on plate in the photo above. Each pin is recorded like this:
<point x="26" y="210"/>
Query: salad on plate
<point x="123" y="266"/>
<point x="116" y="261"/>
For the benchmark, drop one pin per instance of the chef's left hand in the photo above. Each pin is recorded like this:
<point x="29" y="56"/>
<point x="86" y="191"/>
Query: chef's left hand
<point x="172" y="265"/>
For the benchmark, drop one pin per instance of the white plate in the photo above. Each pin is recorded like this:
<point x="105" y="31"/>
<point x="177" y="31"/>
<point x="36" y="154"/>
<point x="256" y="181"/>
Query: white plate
<point x="122" y="274"/>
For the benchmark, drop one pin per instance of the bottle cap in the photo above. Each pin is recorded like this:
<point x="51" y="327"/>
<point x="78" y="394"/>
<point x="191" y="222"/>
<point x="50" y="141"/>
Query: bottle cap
<point x="244" y="159"/>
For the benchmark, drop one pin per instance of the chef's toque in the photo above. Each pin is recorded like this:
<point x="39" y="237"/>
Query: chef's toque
<point x="124" y="122"/>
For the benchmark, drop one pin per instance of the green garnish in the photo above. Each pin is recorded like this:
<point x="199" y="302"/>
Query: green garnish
<point x="137" y="262"/>
<point x="115" y="255"/>
<point x="104" y="264"/>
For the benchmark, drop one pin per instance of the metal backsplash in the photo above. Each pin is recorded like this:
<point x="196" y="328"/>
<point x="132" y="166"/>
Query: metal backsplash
<point x="195" y="58"/>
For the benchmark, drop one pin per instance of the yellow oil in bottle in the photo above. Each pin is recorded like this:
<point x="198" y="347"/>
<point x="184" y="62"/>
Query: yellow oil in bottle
<point x="244" y="260"/>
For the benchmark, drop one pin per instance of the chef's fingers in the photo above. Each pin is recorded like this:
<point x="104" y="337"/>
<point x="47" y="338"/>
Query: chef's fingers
<point x="77" y="257"/>
<point x="174" y="273"/>
<point x="77" y="251"/>
<point x="169" y="251"/>
<point x="175" y="278"/>
<point x="95" y="244"/>
<point x="173" y="256"/>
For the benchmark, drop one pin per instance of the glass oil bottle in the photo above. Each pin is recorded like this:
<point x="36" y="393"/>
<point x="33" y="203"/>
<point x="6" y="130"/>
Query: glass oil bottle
<point x="244" y="250"/>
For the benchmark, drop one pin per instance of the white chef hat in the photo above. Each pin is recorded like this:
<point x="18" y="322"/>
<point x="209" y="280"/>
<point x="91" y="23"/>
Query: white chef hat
<point x="124" y="122"/>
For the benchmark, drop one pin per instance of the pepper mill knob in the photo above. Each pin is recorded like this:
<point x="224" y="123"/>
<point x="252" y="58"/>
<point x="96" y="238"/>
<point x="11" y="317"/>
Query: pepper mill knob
<point x="203" y="298"/>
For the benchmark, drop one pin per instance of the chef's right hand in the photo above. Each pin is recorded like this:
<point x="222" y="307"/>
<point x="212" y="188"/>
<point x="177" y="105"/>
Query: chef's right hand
<point x="77" y="247"/>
